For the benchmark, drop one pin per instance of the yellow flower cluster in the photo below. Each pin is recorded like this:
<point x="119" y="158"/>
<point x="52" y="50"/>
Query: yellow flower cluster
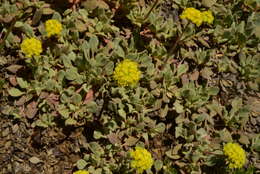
<point x="197" y="17"/>
<point x="81" y="172"/>
<point x="236" y="156"/>
<point x="53" y="27"/>
<point x="127" y="73"/>
<point x="31" y="47"/>
<point x="142" y="159"/>
<point x="207" y="17"/>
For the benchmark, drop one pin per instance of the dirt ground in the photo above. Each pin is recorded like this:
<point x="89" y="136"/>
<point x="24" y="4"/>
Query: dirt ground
<point x="25" y="150"/>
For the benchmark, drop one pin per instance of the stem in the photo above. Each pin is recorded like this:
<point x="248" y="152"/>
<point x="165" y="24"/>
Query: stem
<point x="178" y="40"/>
<point x="149" y="12"/>
<point x="175" y="43"/>
<point x="189" y="36"/>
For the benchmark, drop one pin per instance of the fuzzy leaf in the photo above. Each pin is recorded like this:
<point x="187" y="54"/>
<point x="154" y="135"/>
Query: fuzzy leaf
<point x="183" y="68"/>
<point x="81" y="164"/>
<point x="14" y="92"/>
<point x="70" y="121"/>
<point x="22" y="83"/>
<point x="34" y="160"/>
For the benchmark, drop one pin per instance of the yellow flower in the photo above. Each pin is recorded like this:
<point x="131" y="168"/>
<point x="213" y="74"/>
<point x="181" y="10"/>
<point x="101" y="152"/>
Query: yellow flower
<point x="142" y="159"/>
<point x="127" y="73"/>
<point x="53" y="27"/>
<point x="208" y="17"/>
<point x="31" y="47"/>
<point x="236" y="156"/>
<point x="193" y="15"/>
<point x="81" y="172"/>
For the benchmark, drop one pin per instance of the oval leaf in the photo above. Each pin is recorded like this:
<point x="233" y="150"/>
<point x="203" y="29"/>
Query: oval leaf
<point x="14" y="92"/>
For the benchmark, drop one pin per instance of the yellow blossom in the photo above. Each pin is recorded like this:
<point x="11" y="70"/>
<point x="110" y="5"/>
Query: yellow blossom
<point x="193" y="15"/>
<point x="208" y="17"/>
<point x="31" y="47"/>
<point x="53" y="27"/>
<point x="236" y="156"/>
<point x="142" y="159"/>
<point x="127" y="73"/>
<point x="81" y="172"/>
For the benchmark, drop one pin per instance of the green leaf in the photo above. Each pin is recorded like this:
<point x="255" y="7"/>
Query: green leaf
<point x="22" y="83"/>
<point x="183" y="68"/>
<point x="201" y="134"/>
<point x="26" y="28"/>
<point x="131" y="141"/>
<point x="160" y="128"/>
<point x="93" y="43"/>
<point x="122" y="113"/>
<point x="257" y="31"/>
<point x="96" y="148"/>
<point x="206" y="73"/>
<point x="241" y="27"/>
<point x="171" y="170"/>
<point x="76" y="99"/>
<point x="158" y="164"/>
<point x="47" y="11"/>
<point x="244" y="139"/>
<point x="170" y="154"/>
<point x="208" y="3"/>
<point x="66" y="60"/>
<point x="71" y="74"/>
<point x="164" y="111"/>
<point x="102" y="4"/>
<point x="2" y="82"/>
<point x="256" y="144"/>
<point x="64" y="112"/>
<point x="225" y="135"/>
<point x="119" y="51"/>
<point x="41" y="123"/>
<point x="81" y="164"/>
<point x="178" y="107"/>
<point x="109" y="68"/>
<point x="14" y="92"/>
<point x="90" y="4"/>
<point x="92" y="107"/>
<point x="213" y="90"/>
<point x="179" y="131"/>
<point x="237" y="104"/>
<point x="56" y="16"/>
<point x="97" y="171"/>
<point x="70" y="121"/>
<point x="97" y="135"/>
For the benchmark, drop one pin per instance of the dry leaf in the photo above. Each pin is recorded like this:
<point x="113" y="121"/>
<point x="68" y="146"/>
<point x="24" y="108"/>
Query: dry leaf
<point x="113" y="138"/>
<point x="14" y="68"/>
<point x="12" y="80"/>
<point x="89" y="96"/>
<point x="31" y="110"/>
<point x="34" y="160"/>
